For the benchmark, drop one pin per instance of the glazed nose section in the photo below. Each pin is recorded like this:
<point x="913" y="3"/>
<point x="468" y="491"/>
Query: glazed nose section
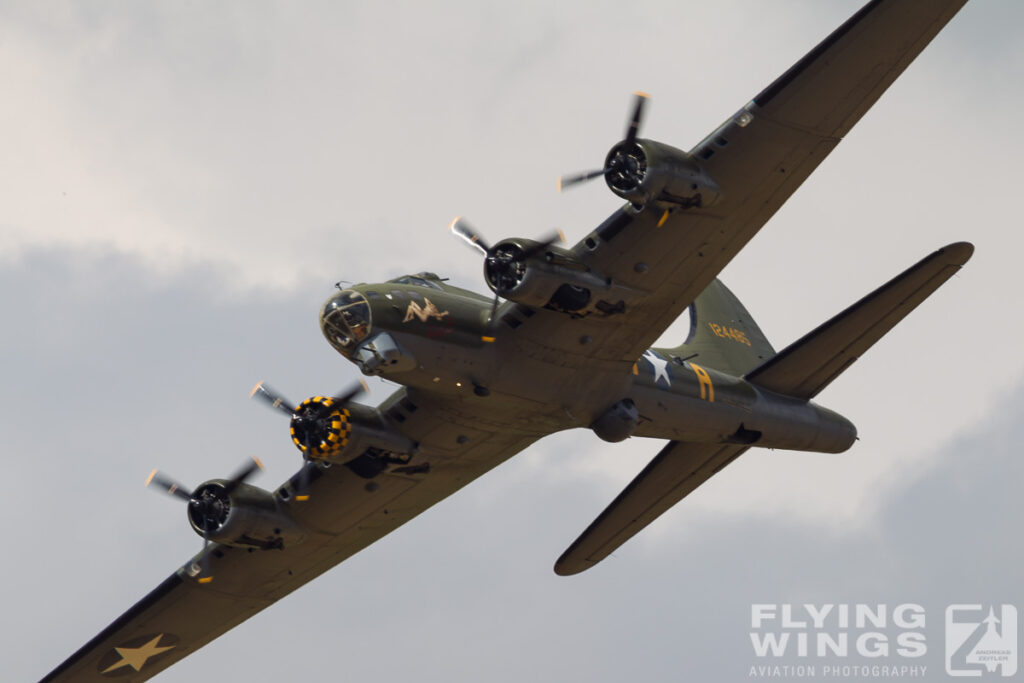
<point x="345" y="321"/>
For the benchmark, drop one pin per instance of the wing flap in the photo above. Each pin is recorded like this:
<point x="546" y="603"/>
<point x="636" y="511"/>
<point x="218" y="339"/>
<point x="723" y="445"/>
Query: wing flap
<point x="672" y="475"/>
<point x="808" y="365"/>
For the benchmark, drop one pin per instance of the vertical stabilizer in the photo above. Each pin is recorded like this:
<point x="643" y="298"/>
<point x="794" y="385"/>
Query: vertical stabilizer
<point x="723" y="335"/>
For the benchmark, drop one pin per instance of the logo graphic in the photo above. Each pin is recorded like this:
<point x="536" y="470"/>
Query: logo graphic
<point x="980" y="641"/>
<point x="425" y="313"/>
<point x="136" y="653"/>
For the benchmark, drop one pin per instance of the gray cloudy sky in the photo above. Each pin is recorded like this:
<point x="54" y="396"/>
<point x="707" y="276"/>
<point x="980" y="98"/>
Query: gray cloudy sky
<point x="182" y="183"/>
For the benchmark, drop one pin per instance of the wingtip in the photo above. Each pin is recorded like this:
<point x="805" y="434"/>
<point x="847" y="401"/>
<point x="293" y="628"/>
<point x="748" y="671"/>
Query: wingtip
<point x="563" y="568"/>
<point x="571" y="563"/>
<point x="958" y="252"/>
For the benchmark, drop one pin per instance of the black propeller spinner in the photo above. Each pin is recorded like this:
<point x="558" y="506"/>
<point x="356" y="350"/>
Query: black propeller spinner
<point x="504" y="263"/>
<point x="208" y="505"/>
<point x="625" y="166"/>
<point x="319" y="425"/>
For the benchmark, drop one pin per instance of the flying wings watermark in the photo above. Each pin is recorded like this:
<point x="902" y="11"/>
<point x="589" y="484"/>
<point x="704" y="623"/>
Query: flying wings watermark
<point x="862" y="640"/>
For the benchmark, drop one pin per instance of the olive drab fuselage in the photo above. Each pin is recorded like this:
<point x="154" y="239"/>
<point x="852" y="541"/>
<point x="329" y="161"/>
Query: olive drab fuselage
<point x="435" y="338"/>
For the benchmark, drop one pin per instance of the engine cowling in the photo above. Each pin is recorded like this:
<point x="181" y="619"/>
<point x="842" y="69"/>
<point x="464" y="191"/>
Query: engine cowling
<point x="328" y="432"/>
<point x="642" y="171"/>
<point x="553" y="277"/>
<point x="245" y="516"/>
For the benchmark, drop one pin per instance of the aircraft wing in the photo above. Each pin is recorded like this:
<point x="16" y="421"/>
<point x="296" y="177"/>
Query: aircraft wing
<point x="672" y="475"/>
<point x="758" y="158"/>
<point x="345" y="513"/>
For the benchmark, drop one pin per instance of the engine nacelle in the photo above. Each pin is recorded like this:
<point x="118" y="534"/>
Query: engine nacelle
<point x="330" y="433"/>
<point x="618" y="422"/>
<point x="645" y="171"/>
<point x="246" y="516"/>
<point x="555" y="277"/>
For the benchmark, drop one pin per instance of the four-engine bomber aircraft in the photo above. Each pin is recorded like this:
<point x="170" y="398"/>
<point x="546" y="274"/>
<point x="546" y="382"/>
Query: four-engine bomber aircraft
<point x="569" y="347"/>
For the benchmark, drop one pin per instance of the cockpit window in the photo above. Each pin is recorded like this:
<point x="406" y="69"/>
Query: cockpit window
<point x="345" y="320"/>
<point x="416" y="280"/>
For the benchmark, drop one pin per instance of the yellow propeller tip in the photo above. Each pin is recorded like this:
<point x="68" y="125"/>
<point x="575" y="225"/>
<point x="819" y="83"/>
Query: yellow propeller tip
<point x="149" y="479"/>
<point x="559" y="184"/>
<point x="256" y="388"/>
<point x="641" y="93"/>
<point x="489" y="340"/>
<point x="302" y="499"/>
<point x="364" y="385"/>
<point x="561" y="236"/>
<point x="259" y="463"/>
<point x="205" y="579"/>
<point x="451" y="226"/>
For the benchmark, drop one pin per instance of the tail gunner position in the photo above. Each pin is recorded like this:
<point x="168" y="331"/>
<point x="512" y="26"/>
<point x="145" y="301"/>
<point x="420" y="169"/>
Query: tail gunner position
<point x="564" y="342"/>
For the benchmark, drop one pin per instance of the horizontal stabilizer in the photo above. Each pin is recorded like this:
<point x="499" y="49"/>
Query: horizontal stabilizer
<point x="676" y="471"/>
<point x="808" y="365"/>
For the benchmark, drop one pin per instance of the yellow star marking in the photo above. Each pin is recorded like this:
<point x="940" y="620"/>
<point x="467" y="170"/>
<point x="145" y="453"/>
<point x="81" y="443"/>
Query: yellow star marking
<point x="136" y="657"/>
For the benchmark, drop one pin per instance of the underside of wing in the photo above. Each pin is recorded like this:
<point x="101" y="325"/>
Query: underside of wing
<point x="672" y="475"/>
<point x="346" y="511"/>
<point x="661" y="254"/>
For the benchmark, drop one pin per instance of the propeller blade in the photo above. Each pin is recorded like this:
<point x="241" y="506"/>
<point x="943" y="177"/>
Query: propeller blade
<point x="640" y="99"/>
<point x="638" y="113"/>
<point x="204" y="561"/>
<point x="490" y="318"/>
<point x="241" y="475"/>
<point x="302" y="494"/>
<point x="272" y="398"/>
<point x="346" y="396"/>
<point x="168" y="485"/>
<point x="461" y="228"/>
<point x="570" y="180"/>
<point x="553" y="238"/>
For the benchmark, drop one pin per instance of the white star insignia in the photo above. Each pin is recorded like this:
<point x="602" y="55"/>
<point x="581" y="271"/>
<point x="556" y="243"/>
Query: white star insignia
<point x="136" y="657"/>
<point x="659" y="366"/>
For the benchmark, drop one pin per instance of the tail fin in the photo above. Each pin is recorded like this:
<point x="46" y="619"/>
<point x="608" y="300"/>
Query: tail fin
<point x="808" y="365"/>
<point x="723" y="334"/>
